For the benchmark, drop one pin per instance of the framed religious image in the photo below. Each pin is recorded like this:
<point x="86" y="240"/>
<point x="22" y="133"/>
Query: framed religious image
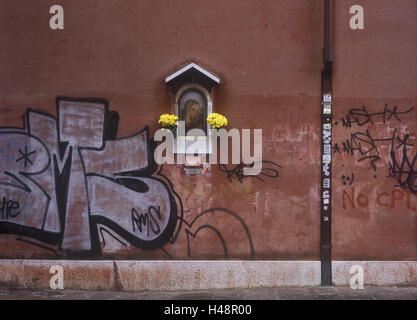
<point x="191" y="88"/>
<point x="193" y="110"/>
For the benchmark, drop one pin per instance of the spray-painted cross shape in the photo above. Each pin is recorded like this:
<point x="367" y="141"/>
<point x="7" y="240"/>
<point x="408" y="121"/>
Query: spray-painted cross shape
<point x="25" y="156"/>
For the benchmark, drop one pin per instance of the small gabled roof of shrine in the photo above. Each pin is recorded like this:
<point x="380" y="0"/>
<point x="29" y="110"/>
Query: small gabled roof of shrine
<point x="192" y="73"/>
<point x="189" y="68"/>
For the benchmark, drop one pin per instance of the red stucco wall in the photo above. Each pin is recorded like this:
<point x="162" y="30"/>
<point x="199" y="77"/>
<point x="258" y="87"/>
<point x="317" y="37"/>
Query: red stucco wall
<point x="374" y="67"/>
<point x="268" y="56"/>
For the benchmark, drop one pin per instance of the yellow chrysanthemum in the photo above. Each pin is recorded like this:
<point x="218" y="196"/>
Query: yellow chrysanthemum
<point x="168" y="120"/>
<point x="216" y="120"/>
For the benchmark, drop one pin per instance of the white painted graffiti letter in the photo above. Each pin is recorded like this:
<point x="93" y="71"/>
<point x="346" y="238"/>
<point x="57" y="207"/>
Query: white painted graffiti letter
<point x="81" y="125"/>
<point x="57" y="280"/>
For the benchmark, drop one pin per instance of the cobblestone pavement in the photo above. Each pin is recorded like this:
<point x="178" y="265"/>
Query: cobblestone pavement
<point x="299" y="293"/>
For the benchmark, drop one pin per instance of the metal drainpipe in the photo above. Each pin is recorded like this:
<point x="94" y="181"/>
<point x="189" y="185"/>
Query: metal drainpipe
<point x="326" y="150"/>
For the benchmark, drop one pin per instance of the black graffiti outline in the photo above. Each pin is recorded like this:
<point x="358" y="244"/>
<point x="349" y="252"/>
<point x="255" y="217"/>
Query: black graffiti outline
<point x="135" y="241"/>
<point x="146" y="219"/>
<point x="167" y="253"/>
<point x="403" y="142"/>
<point x="60" y="160"/>
<point x="237" y="171"/>
<point x="356" y="143"/>
<point x="19" y="229"/>
<point x="101" y="229"/>
<point x="212" y="211"/>
<point x="49" y="237"/>
<point x="206" y="226"/>
<point x="94" y="238"/>
<point x="404" y="173"/>
<point x="38" y="245"/>
<point x="62" y="181"/>
<point x="26" y="156"/>
<point x="181" y="211"/>
<point x="22" y="186"/>
<point x="48" y="198"/>
<point x="355" y="114"/>
<point x="29" y="135"/>
<point x="146" y="245"/>
<point x="6" y="206"/>
<point x="50" y="161"/>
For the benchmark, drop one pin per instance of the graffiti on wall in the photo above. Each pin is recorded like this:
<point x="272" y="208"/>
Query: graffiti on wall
<point x="397" y="153"/>
<point x="367" y="144"/>
<point x="352" y="198"/>
<point x="404" y="171"/>
<point x="60" y="177"/>
<point x="269" y="169"/>
<point x="348" y="179"/>
<point x="361" y="116"/>
<point x="70" y="183"/>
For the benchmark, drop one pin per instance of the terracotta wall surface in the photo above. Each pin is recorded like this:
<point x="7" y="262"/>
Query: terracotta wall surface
<point x="375" y="68"/>
<point x="268" y="55"/>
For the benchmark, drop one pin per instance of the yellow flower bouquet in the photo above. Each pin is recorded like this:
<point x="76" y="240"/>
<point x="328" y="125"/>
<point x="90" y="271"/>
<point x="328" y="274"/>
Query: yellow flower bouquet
<point x="217" y="121"/>
<point x="169" y="121"/>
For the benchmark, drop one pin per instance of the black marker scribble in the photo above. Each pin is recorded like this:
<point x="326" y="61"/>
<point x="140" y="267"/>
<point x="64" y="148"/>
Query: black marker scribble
<point x="404" y="173"/>
<point x="361" y="116"/>
<point x="367" y="146"/>
<point x="237" y="171"/>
